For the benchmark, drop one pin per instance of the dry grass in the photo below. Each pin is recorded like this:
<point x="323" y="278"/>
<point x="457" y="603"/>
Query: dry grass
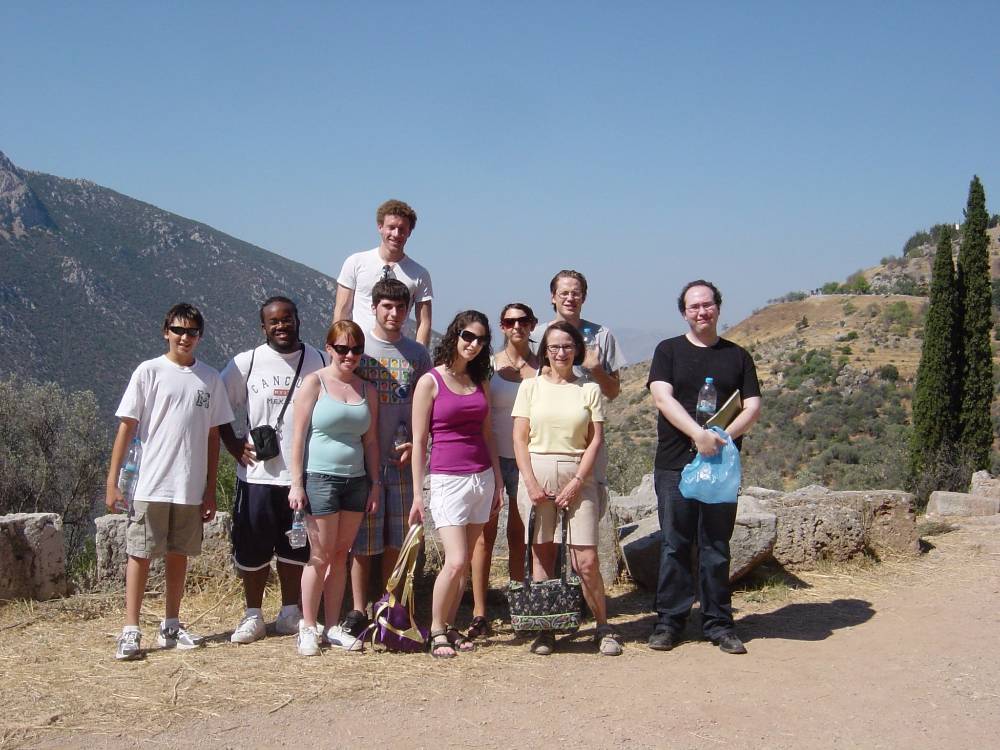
<point x="59" y="674"/>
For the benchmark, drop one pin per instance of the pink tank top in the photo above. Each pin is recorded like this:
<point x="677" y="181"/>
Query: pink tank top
<point x="458" y="446"/>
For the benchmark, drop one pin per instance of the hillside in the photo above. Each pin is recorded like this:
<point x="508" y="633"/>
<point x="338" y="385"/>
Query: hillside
<point x="88" y="274"/>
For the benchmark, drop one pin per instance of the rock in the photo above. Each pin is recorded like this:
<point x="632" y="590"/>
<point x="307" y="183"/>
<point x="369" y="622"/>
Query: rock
<point x="753" y="538"/>
<point x="885" y="520"/>
<point x="638" y="504"/>
<point x="215" y="557"/>
<point x="962" y="504"/>
<point x="985" y="484"/>
<point x="32" y="556"/>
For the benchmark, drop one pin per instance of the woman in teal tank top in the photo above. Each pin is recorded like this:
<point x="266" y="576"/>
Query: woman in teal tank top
<point x="335" y="438"/>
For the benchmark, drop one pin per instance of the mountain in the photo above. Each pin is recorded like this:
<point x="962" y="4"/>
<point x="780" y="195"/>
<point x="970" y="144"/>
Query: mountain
<point x="88" y="274"/>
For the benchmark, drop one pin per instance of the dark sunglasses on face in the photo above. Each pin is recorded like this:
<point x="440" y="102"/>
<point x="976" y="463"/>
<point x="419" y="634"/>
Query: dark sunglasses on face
<point x="511" y="322"/>
<point x="343" y="349"/>
<point x="469" y="337"/>
<point x="181" y="330"/>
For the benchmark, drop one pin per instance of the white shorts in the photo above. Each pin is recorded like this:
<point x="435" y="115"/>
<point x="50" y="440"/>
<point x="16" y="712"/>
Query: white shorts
<point x="461" y="499"/>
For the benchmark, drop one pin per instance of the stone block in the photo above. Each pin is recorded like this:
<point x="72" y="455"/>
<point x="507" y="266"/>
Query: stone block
<point x="962" y="504"/>
<point x="215" y="557"/>
<point x="638" y="504"/>
<point x="32" y="556"/>
<point x="812" y="532"/>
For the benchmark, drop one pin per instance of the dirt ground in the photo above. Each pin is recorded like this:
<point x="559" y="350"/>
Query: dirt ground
<point x="900" y="654"/>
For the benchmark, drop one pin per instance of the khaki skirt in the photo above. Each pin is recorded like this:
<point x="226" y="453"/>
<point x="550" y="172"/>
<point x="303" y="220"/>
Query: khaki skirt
<point x="553" y="472"/>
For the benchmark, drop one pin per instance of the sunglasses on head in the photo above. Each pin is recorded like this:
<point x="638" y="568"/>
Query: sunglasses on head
<point x="181" y="330"/>
<point x="343" y="349"/>
<point x="469" y="337"/>
<point x="524" y="320"/>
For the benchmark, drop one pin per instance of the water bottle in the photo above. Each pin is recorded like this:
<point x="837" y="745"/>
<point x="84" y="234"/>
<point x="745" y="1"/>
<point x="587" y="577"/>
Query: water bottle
<point x="589" y="337"/>
<point x="706" y="402"/>
<point x="128" y="477"/>
<point x="297" y="534"/>
<point x="401" y="436"/>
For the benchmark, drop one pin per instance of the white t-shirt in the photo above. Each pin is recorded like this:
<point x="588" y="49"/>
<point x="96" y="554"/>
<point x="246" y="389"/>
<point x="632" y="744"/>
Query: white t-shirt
<point x="361" y="271"/>
<point x="175" y="406"/>
<point x="269" y="383"/>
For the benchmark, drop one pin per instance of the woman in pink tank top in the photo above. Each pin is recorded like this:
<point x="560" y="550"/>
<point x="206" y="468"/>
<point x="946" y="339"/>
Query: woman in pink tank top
<point x="451" y="407"/>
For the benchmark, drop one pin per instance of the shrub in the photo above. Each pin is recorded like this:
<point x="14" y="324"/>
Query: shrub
<point x="889" y="373"/>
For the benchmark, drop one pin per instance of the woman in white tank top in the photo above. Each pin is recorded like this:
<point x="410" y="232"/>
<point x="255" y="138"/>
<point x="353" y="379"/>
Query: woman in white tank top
<point x="515" y="363"/>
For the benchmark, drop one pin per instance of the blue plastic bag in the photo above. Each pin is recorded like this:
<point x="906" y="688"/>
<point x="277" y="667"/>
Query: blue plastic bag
<point x="714" y="479"/>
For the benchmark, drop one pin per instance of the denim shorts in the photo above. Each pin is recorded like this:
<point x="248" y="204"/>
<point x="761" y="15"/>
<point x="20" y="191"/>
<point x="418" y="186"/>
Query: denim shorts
<point x="329" y="493"/>
<point x="509" y="475"/>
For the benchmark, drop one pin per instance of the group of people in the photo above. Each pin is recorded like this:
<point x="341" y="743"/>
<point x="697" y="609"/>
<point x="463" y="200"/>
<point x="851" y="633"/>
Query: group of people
<point x="373" y="433"/>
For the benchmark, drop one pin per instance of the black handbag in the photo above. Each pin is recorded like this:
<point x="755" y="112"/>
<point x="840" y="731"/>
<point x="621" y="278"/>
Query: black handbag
<point x="266" y="439"/>
<point x="552" y="605"/>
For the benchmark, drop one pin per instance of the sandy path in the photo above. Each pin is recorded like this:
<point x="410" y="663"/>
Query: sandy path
<point x="906" y="656"/>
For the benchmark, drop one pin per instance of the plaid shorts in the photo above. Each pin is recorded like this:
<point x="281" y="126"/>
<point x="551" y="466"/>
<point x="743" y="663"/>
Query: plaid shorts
<point x="386" y="527"/>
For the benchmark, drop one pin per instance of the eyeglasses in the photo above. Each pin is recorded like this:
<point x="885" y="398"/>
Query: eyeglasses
<point x="704" y="306"/>
<point x="387" y="272"/>
<point x="524" y="320"/>
<point x="343" y="349"/>
<point x="181" y="330"/>
<point x="569" y="295"/>
<point x="556" y="348"/>
<point x="469" y="337"/>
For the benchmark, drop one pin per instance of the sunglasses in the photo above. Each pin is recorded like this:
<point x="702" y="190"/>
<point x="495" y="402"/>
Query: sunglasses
<point x="524" y="320"/>
<point x="469" y="337"/>
<point x="181" y="330"/>
<point x="343" y="349"/>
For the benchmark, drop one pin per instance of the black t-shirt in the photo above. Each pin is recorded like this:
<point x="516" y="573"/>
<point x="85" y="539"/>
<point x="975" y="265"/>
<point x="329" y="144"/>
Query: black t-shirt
<point x="685" y="366"/>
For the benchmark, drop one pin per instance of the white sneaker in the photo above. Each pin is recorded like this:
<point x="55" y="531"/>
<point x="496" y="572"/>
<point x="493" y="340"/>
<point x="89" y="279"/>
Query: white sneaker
<point x="129" y="646"/>
<point x="308" y="641"/>
<point x="338" y="637"/>
<point x="288" y="624"/>
<point x="178" y="638"/>
<point x="250" y="629"/>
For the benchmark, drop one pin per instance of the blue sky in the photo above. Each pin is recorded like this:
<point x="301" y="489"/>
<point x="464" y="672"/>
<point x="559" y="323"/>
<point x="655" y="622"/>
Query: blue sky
<point x="766" y="146"/>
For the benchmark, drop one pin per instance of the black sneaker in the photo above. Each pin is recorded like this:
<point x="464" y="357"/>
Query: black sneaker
<point x="661" y="640"/>
<point x="729" y="643"/>
<point x="354" y="623"/>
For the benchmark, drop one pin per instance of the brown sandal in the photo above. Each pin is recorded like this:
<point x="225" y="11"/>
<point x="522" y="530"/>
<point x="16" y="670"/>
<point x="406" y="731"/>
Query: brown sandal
<point x="439" y="639"/>
<point x="478" y="628"/>
<point x="459" y="642"/>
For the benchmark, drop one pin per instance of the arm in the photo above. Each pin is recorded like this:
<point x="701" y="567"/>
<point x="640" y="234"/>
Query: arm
<point x="112" y="495"/>
<point x="423" y="400"/>
<point x="343" y="306"/>
<point x="494" y="457"/>
<point x="706" y="441"/>
<point x="595" y="438"/>
<point x="522" y="430"/>
<point x="240" y="449"/>
<point x="373" y="462"/>
<point x="609" y="383"/>
<point x="208" y="505"/>
<point x="745" y="419"/>
<point x="422" y="312"/>
<point x="304" y="401"/>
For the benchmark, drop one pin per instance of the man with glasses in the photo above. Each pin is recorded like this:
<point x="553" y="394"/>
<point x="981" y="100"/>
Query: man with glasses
<point x="602" y="360"/>
<point x="392" y="364"/>
<point x="260" y="381"/>
<point x="395" y="221"/>
<point x="676" y="374"/>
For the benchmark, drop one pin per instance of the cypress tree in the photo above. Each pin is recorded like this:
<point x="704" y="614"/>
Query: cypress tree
<point x="935" y="397"/>
<point x="976" y="375"/>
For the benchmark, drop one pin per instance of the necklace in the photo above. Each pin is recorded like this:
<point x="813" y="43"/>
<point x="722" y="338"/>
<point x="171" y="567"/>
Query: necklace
<point x="517" y="366"/>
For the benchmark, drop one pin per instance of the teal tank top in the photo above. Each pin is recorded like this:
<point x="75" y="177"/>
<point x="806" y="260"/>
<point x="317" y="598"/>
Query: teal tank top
<point x="335" y="436"/>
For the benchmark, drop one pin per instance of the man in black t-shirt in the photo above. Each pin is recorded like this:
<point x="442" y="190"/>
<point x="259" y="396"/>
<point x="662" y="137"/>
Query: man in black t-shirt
<point x="678" y="370"/>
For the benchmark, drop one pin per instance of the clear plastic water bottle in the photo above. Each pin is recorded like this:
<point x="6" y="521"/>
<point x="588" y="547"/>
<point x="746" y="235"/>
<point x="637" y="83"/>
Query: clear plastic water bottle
<point x="589" y="337"/>
<point x="128" y="477"/>
<point x="297" y="534"/>
<point x="706" y="402"/>
<point x="401" y="436"/>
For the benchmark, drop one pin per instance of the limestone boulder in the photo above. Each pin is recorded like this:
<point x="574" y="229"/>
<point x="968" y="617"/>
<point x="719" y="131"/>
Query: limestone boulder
<point x="32" y="556"/>
<point x="638" y="504"/>
<point x="811" y="532"/>
<point x="985" y="484"/>
<point x="751" y="543"/>
<point x="215" y="558"/>
<point x="962" y="504"/>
